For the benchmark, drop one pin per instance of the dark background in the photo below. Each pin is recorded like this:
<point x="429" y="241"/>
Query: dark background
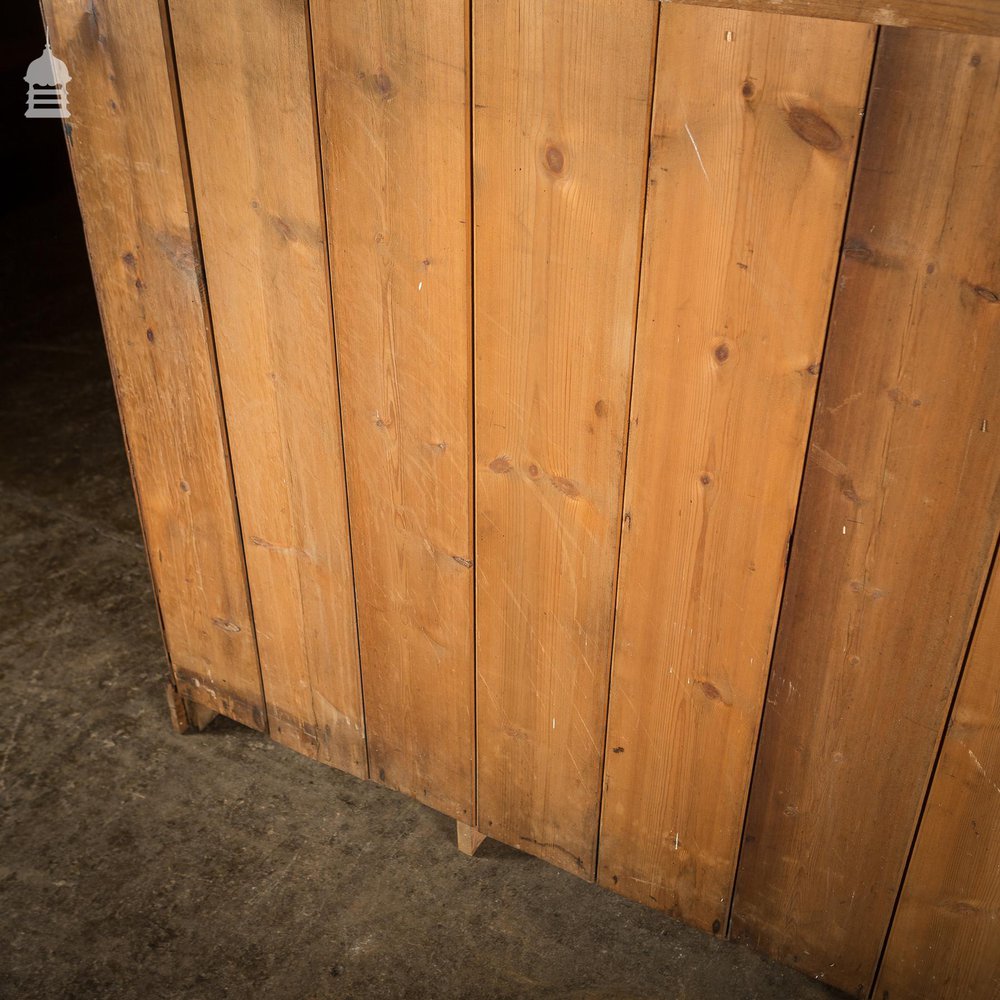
<point x="35" y="165"/>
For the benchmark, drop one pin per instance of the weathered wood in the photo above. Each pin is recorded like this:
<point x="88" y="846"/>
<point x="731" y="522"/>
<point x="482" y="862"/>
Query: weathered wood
<point x="245" y="84"/>
<point x="560" y="148"/>
<point x="944" y="941"/>
<point x="978" y="17"/>
<point x="186" y="716"/>
<point x="755" y="128"/>
<point x="393" y="86"/>
<point x="177" y="710"/>
<point x="469" y="838"/>
<point x="898" y="518"/>
<point x="199" y="717"/>
<point x="130" y="176"/>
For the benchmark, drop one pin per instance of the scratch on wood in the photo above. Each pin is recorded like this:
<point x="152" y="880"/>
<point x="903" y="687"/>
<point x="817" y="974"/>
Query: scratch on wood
<point x="982" y="770"/>
<point x="697" y="152"/>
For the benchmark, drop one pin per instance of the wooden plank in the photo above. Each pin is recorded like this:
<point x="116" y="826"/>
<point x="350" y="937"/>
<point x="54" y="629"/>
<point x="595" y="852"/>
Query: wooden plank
<point x="898" y="518"/>
<point x="130" y="177"/>
<point x="260" y="212"/>
<point x="755" y="128"/>
<point x="561" y="120"/>
<point x="978" y="17"/>
<point x="469" y="839"/>
<point x="944" y="940"/>
<point x="187" y="716"/>
<point x="393" y="86"/>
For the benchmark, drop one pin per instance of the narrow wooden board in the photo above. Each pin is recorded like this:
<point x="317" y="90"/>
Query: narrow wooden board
<point x="393" y="86"/>
<point x="944" y="940"/>
<point x="130" y="175"/>
<point x="561" y="124"/>
<point x="979" y="17"/>
<point x="897" y="522"/>
<point x="755" y="128"/>
<point x="245" y="81"/>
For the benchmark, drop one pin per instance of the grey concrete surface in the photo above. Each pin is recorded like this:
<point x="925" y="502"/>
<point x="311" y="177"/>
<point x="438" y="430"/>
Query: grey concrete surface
<point x="138" y="863"/>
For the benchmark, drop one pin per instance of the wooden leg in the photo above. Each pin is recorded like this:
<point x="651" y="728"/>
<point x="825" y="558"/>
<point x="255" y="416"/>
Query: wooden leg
<point x="187" y="716"/>
<point x="469" y="838"/>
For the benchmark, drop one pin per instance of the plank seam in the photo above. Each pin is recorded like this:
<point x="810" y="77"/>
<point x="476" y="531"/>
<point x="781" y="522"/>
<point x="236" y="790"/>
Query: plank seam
<point x="934" y="766"/>
<point x="473" y="464"/>
<point x="314" y="98"/>
<point x="628" y="428"/>
<point x="798" y="501"/>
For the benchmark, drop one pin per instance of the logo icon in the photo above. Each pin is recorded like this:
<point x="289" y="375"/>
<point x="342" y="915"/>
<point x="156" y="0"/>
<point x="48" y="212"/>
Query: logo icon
<point x="47" y="78"/>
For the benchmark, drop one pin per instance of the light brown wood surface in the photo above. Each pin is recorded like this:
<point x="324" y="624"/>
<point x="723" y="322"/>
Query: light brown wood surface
<point x="755" y="128"/>
<point x="897" y="521"/>
<point x="393" y="85"/>
<point x="130" y="173"/>
<point x="945" y="942"/>
<point x="245" y="84"/>
<point x="980" y="17"/>
<point x="561" y="118"/>
<point x="469" y="838"/>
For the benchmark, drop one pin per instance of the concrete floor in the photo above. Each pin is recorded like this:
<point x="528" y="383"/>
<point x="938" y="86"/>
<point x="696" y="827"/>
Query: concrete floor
<point x="134" y="862"/>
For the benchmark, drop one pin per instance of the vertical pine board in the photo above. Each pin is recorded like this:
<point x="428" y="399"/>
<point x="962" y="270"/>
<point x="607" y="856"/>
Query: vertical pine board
<point x="897" y="521"/>
<point x="562" y="95"/>
<point x="246" y="89"/>
<point x="945" y="941"/>
<point x="393" y="86"/>
<point x="755" y="128"/>
<point x="130" y="173"/>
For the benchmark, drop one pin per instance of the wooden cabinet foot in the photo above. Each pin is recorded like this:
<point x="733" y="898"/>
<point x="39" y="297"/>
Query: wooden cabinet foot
<point x="187" y="716"/>
<point x="469" y="838"/>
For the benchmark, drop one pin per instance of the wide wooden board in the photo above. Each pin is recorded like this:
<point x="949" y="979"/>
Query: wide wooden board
<point x="944" y="940"/>
<point x="130" y="174"/>
<point x="245" y="85"/>
<point x="393" y="86"/>
<point x="561" y="123"/>
<point x="897" y="522"/>
<point x="755" y="128"/>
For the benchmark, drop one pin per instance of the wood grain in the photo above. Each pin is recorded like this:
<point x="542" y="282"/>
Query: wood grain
<point x="245" y="83"/>
<point x="944" y="940"/>
<point x="393" y="85"/>
<point x="560" y="155"/>
<point x="469" y="839"/>
<point x="898" y="518"/>
<point x="978" y="17"/>
<point x="130" y="177"/>
<point x="755" y="128"/>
